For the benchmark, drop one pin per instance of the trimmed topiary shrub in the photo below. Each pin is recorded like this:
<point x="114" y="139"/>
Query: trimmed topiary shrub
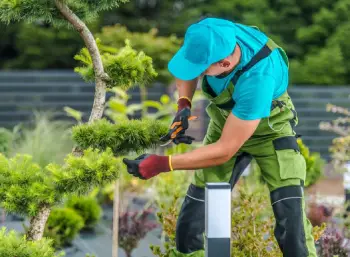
<point x="87" y="207"/>
<point x="62" y="226"/>
<point x="13" y="245"/>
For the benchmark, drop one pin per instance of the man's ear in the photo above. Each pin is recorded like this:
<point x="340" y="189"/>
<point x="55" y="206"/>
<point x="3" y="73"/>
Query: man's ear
<point x="225" y="63"/>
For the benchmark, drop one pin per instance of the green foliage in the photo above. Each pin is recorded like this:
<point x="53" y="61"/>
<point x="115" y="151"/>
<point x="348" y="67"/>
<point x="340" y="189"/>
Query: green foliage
<point x="169" y="192"/>
<point x="33" y="52"/>
<point x="24" y="185"/>
<point x="159" y="48"/>
<point x="165" y="108"/>
<point x="122" y="138"/>
<point x="47" y="141"/>
<point x="314" y="33"/>
<point x="87" y="207"/>
<point x="105" y="194"/>
<point x="253" y="224"/>
<point x="310" y="31"/>
<point x="170" y="184"/>
<point x="317" y="64"/>
<point x="45" y="10"/>
<point x="5" y="140"/>
<point x="12" y="244"/>
<point x="81" y="174"/>
<point x="8" y="52"/>
<point x="77" y="115"/>
<point x="125" y="66"/>
<point x="63" y="225"/>
<point x="314" y="164"/>
<point x="162" y="110"/>
<point x="167" y="217"/>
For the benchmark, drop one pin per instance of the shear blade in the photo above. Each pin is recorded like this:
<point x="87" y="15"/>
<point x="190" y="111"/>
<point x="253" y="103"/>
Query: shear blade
<point x="165" y="144"/>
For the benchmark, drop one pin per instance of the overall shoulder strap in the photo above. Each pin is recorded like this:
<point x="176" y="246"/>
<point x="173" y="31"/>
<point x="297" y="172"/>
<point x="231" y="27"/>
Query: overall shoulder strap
<point x="263" y="53"/>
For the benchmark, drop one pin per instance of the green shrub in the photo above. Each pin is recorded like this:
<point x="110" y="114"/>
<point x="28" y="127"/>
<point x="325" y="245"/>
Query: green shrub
<point x="160" y="48"/>
<point x="81" y="174"/>
<point x="125" y="67"/>
<point x="24" y="186"/>
<point x="167" y="217"/>
<point x="126" y="136"/>
<point x="32" y="52"/>
<point x="253" y="224"/>
<point x="63" y="225"/>
<point x="5" y="140"/>
<point x="314" y="164"/>
<point x="48" y="140"/>
<point x="87" y="207"/>
<point x="13" y="245"/>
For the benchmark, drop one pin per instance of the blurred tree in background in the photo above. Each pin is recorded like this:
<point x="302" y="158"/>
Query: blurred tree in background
<point x="48" y="49"/>
<point x="314" y="33"/>
<point x="160" y="48"/>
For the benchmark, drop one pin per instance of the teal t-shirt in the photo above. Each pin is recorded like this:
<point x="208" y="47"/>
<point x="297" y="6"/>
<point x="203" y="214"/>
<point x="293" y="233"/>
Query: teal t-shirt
<point x="256" y="88"/>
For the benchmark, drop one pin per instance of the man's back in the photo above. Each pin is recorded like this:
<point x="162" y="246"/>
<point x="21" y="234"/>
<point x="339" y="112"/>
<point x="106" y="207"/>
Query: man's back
<point x="256" y="88"/>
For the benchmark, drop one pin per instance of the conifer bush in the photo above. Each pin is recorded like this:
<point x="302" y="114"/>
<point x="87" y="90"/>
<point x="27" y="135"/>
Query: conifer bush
<point x="30" y="190"/>
<point x="122" y="137"/>
<point x="12" y="244"/>
<point x="62" y="226"/>
<point x="33" y="190"/>
<point x="87" y="207"/>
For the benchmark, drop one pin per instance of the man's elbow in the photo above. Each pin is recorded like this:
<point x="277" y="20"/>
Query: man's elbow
<point x="227" y="152"/>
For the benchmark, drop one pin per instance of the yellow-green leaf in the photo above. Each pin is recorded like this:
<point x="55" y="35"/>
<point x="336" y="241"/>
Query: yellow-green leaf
<point x="164" y="99"/>
<point x="154" y="104"/>
<point x="117" y="106"/>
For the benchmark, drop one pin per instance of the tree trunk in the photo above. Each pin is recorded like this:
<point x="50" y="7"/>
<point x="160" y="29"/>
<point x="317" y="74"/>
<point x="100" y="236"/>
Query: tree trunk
<point x="143" y="94"/>
<point x="115" y="245"/>
<point x="100" y="76"/>
<point x="37" y="223"/>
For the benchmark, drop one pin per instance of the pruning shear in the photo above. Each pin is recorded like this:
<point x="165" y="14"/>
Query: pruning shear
<point x="177" y="132"/>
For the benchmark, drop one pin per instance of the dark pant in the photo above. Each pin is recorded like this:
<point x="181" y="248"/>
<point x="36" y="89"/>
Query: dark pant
<point x="287" y="206"/>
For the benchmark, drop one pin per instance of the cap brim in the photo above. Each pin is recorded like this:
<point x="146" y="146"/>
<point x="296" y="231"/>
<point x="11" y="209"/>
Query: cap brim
<point x="182" y="69"/>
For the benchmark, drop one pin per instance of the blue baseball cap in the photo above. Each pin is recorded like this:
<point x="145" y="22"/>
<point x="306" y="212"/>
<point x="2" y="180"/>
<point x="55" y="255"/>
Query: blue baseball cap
<point x="205" y="43"/>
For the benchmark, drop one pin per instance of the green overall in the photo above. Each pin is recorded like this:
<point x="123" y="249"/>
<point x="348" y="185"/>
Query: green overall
<point x="275" y="149"/>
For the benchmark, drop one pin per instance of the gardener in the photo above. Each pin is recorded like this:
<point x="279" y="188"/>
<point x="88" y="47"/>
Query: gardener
<point x="244" y="74"/>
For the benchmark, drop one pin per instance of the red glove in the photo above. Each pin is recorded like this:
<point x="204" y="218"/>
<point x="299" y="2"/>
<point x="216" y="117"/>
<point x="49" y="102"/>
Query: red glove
<point x="182" y="103"/>
<point x="147" y="166"/>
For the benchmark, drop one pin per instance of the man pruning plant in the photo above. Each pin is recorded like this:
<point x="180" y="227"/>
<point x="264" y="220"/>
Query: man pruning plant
<point x="244" y="74"/>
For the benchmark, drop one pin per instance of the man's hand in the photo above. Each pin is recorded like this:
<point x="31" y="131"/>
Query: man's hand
<point x="180" y="124"/>
<point x="234" y="134"/>
<point x="178" y="128"/>
<point x="147" y="166"/>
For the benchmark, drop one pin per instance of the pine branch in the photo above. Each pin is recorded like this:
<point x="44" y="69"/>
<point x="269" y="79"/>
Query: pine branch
<point x="124" y="137"/>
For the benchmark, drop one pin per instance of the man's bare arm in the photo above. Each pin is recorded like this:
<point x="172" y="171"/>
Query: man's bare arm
<point x="186" y="88"/>
<point x="234" y="134"/>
